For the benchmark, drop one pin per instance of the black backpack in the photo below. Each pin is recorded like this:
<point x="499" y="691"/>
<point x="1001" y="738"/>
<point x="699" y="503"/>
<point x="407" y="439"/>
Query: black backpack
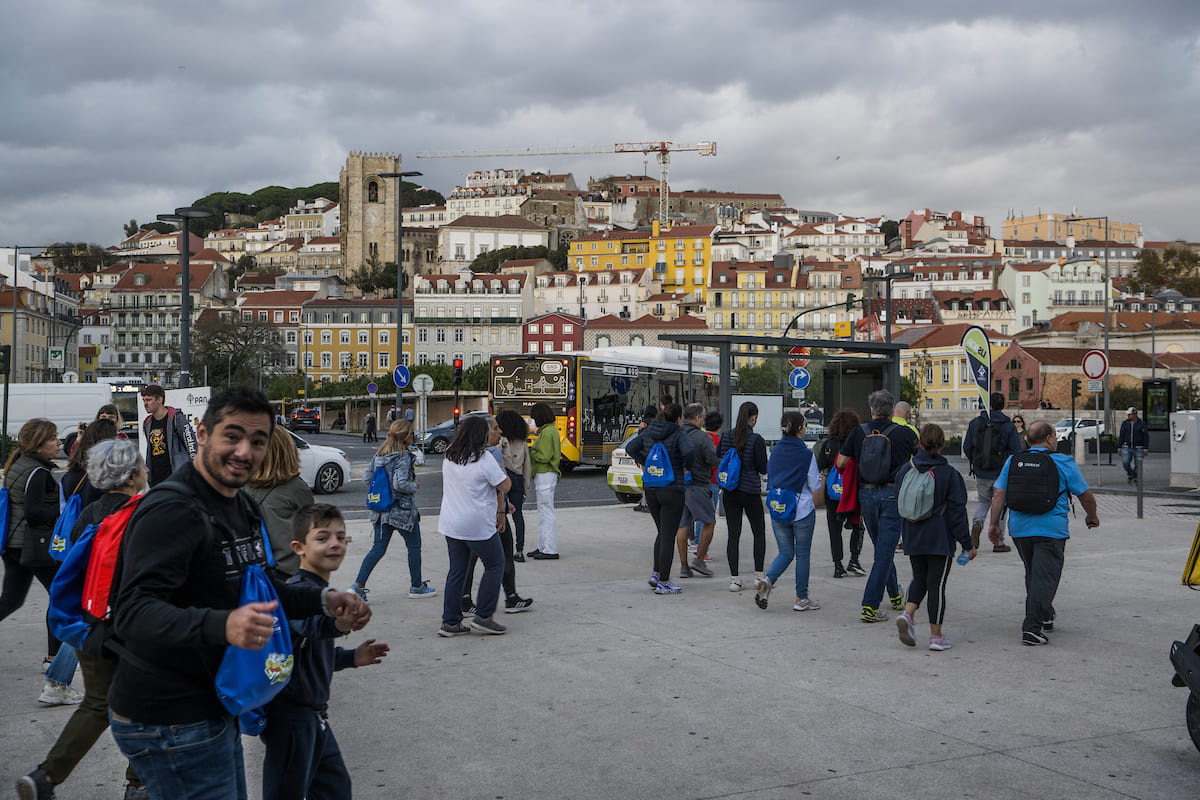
<point x="875" y="457"/>
<point x="1032" y="483"/>
<point x="989" y="452"/>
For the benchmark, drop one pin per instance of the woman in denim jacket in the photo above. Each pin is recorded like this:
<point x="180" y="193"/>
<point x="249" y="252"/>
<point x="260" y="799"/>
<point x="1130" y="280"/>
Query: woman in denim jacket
<point x="398" y="457"/>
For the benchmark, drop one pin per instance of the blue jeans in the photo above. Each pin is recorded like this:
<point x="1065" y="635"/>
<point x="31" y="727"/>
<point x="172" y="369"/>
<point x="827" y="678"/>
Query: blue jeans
<point x="196" y="760"/>
<point x="1129" y="462"/>
<point x="491" y="553"/>
<point x="794" y="540"/>
<point x="62" y="668"/>
<point x="881" y="518"/>
<point x="383" y="536"/>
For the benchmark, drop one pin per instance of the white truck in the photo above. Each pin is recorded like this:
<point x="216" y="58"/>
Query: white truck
<point x="65" y="404"/>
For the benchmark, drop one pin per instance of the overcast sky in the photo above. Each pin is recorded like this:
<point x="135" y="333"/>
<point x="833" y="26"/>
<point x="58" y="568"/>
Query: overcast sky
<point x="127" y="109"/>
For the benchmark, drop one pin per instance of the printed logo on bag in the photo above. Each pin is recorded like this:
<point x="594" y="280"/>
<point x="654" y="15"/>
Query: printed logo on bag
<point x="278" y="667"/>
<point x="657" y="472"/>
<point x="58" y="545"/>
<point x="778" y="507"/>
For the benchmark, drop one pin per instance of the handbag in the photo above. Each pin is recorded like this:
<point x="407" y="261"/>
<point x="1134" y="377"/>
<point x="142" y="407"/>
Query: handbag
<point x="35" y="552"/>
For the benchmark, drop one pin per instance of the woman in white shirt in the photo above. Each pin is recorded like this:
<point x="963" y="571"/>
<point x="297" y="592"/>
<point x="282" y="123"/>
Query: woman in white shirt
<point x="472" y="513"/>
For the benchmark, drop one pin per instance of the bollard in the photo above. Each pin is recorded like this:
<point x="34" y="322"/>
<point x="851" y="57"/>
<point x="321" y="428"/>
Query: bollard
<point x="1080" y="449"/>
<point x="1141" y="478"/>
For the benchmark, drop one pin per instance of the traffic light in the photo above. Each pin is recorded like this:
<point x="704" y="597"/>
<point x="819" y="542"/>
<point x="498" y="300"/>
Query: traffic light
<point x="457" y="414"/>
<point x="458" y="364"/>
<point x="5" y="358"/>
<point x="850" y="302"/>
<point x="1076" y="388"/>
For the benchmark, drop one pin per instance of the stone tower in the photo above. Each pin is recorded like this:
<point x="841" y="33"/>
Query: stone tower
<point x="370" y="208"/>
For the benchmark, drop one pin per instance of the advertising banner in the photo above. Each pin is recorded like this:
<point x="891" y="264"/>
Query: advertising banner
<point x="979" y="358"/>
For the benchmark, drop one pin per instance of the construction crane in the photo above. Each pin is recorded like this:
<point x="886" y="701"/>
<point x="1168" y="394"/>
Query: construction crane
<point x="662" y="151"/>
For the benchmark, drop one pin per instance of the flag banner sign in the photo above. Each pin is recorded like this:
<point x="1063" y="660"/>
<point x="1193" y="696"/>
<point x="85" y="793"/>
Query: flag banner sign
<point x="979" y="358"/>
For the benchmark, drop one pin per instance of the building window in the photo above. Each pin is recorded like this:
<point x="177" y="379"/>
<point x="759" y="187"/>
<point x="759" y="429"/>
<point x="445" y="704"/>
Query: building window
<point x="364" y="359"/>
<point x="385" y="336"/>
<point x="422" y="336"/>
<point x="344" y="359"/>
<point x="440" y="336"/>
<point x="326" y="337"/>
<point x="364" y="337"/>
<point x="372" y="192"/>
<point x="343" y="337"/>
<point x="384" y="360"/>
<point x="326" y="360"/>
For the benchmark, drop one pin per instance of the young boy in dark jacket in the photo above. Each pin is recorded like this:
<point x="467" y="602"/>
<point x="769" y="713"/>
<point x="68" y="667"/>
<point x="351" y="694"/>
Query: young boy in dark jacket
<point x="929" y="544"/>
<point x="302" y="755"/>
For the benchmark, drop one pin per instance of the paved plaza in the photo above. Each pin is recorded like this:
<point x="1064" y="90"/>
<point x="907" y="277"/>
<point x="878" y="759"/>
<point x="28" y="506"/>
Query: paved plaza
<point x="605" y="690"/>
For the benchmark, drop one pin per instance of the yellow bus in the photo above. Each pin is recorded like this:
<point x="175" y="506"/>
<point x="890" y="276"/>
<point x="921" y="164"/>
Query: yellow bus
<point x="599" y="396"/>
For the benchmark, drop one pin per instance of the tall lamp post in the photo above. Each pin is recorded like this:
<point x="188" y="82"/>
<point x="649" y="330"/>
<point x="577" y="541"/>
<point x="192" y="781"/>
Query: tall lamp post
<point x="1107" y="322"/>
<point x="400" y="176"/>
<point x="887" y="282"/>
<point x="183" y="217"/>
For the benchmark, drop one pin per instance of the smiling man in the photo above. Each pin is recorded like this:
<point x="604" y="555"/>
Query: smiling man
<point x="177" y="607"/>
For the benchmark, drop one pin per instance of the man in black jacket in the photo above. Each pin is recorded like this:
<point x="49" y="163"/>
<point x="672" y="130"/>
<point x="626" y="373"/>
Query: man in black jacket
<point x="1134" y="436"/>
<point x="177" y="608"/>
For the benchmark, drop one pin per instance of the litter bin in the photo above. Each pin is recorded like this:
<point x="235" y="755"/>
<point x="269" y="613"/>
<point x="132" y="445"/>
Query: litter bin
<point x="1185" y="450"/>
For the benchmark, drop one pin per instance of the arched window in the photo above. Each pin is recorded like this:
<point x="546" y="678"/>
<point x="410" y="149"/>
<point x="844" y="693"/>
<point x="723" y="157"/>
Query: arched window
<point x="602" y="341"/>
<point x="372" y="192"/>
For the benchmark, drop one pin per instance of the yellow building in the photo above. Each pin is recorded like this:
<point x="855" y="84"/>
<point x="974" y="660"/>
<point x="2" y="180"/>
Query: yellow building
<point x="935" y="361"/>
<point x="681" y="256"/>
<point x="1054" y="228"/>
<point x="344" y="339"/>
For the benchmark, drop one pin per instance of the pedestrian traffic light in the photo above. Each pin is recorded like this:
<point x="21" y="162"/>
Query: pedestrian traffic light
<point x="5" y="358"/>
<point x="458" y="364"/>
<point x="1076" y="388"/>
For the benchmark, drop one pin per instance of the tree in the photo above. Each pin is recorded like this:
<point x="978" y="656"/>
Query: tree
<point x="131" y="228"/>
<point x="237" y="351"/>
<point x="78" y="257"/>
<point x="413" y="195"/>
<point x="1176" y="267"/>
<point x="491" y="260"/>
<point x="442" y="374"/>
<point x="763" y="378"/>
<point x="910" y="391"/>
<point x="477" y="378"/>
<point x="372" y="277"/>
<point x="890" y="230"/>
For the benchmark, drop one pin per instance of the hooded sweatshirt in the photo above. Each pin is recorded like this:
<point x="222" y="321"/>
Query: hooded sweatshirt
<point x="679" y="449"/>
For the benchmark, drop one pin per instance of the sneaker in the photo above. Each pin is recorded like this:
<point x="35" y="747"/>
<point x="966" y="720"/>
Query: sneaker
<point x="449" y="629"/>
<point x="516" y="604"/>
<point x="467" y="606"/>
<point x="939" y="643"/>
<point x="806" y="604"/>
<point x="692" y="547"/>
<point x="855" y="568"/>
<point x="519" y="557"/>
<point x="871" y="615"/>
<point x="59" y="694"/>
<point x="35" y="786"/>
<point x="46" y="662"/>
<point x="424" y="590"/>
<point x="540" y="556"/>
<point x="1048" y="625"/>
<point x="904" y="623"/>
<point x="653" y="580"/>
<point x="708" y="559"/>
<point x="898" y="602"/>
<point x="700" y="569"/>
<point x="667" y="588"/>
<point x="1001" y="548"/>
<point x="136" y="792"/>
<point x="685" y="571"/>
<point x="762" y="588"/>
<point x="735" y="584"/>
<point x="838" y="570"/>
<point x="487" y="625"/>
<point x="361" y="591"/>
<point x="1032" y="639"/>
<point x="976" y="534"/>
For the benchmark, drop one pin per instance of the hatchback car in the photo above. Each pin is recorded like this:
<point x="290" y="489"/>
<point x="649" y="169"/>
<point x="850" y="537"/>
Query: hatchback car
<point x="323" y="468"/>
<point x="1085" y="427"/>
<point x="307" y="419"/>
<point x="438" y="438"/>
<point x="624" y="475"/>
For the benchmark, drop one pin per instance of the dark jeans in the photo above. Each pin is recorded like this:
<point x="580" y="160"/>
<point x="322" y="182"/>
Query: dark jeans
<point x="666" y="507"/>
<point x="17" y="580"/>
<point x="197" y="760"/>
<point x="929" y="576"/>
<point x="509" y="579"/>
<point x="86" y="724"/>
<point x="302" y="756"/>
<point x="1043" y="558"/>
<point x="491" y="553"/>
<point x="383" y="536"/>
<point x="835" y="534"/>
<point x="736" y="502"/>
<point x="516" y="496"/>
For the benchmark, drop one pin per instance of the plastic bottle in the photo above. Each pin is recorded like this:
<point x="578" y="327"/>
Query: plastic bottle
<point x="963" y="558"/>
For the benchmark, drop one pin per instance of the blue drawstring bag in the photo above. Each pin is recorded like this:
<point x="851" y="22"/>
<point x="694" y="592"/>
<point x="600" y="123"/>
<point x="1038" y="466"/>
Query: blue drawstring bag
<point x="658" y="471"/>
<point x="60" y="540"/>
<point x="782" y="503"/>
<point x="833" y="486"/>
<point x="379" y="493"/>
<point x="730" y="470"/>
<point x="249" y="679"/>
<point x="5" y="518"/>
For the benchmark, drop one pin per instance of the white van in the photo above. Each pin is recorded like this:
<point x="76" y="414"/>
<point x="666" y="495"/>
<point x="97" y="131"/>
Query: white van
<point x="65" y="404"/>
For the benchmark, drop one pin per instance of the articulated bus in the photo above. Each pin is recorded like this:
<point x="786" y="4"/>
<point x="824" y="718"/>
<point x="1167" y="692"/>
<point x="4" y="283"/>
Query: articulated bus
<point x="598" y="396"/>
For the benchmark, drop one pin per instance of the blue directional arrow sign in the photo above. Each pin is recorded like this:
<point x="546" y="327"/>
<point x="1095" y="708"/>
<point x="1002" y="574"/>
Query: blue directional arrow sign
<point x="799" y="378"/>
<point x="400" y="376"/>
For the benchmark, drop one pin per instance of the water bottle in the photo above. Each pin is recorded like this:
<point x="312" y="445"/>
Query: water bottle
<point x="963" y="558"/>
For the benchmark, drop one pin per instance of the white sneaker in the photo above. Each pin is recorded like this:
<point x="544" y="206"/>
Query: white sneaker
<point x="58" y="694"/>
<point x="735" y="584"/>
<point x="806" y="604"/>
<point x="762" y="588"/>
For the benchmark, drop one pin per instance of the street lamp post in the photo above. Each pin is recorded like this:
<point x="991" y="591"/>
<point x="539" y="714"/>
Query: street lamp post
<point x="183" y="216"/>
<point x="887" y="281"/>
<point x="400" y="176"/>
<point x="1107" y="322"/>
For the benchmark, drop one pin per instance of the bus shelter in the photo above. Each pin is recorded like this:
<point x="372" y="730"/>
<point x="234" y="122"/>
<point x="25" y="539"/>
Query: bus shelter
<point x="850" y="370"/>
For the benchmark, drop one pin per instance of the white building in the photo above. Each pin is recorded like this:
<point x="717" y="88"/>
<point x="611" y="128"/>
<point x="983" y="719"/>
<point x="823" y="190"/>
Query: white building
<point x="616" y="292"/>
<point x="467" y="316"/>
<point x="467" y="237"/>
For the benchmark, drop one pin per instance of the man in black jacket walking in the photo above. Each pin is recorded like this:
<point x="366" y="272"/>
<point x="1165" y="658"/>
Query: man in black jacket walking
<point x="1133" y="437"/>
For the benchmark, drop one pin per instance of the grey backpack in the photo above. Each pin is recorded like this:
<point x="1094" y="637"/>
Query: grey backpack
<point x="915" y="498"/>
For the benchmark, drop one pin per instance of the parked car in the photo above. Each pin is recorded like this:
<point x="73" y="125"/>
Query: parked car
<point x="438" y="438"/>
<point x="624" y="475"/>
<point x="308" y="419"/>
<point x="1086" y="427"/>
<point x="325" y="469"/>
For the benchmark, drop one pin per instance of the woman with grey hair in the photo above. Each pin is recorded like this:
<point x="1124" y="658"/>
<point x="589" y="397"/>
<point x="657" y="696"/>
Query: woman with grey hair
<point x="114" y="467"/>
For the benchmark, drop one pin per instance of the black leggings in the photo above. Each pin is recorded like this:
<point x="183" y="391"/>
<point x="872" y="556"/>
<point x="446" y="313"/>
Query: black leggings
<point x="929" y="575"/>
<point x="509" y="579"/>
<point x="17" y="580"/>
<point x="666" y="507"/>
<point x="835" y="534"/>
<point x="736" y="502"/>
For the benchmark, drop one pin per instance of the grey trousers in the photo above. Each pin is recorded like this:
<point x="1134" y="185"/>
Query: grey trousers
<point x="1043" y="558"/>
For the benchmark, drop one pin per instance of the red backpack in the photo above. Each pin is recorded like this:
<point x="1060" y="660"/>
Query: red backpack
<point x="102" y="565"/>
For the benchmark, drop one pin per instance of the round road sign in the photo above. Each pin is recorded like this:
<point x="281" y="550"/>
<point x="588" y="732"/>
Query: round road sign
<point x="797" y="357"/>
<point x="400" y="376"/>
<point x="1095" y="364"/>
<point x="799" y="378"/>
<point x="372" y="388"/>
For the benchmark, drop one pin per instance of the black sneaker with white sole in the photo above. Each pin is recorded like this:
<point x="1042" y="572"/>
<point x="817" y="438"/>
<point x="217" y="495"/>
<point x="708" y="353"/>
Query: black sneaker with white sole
<point x="515" y="604"/>
<point x="1033" y="639"/>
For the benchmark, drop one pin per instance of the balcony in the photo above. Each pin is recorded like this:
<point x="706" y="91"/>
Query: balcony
<point x="1055" y="301"/>
<point x="458" y="322"/>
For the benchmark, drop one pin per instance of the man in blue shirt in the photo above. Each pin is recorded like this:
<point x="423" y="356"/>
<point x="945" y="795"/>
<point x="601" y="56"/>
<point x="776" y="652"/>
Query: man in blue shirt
<point x="1041" y="539"/>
